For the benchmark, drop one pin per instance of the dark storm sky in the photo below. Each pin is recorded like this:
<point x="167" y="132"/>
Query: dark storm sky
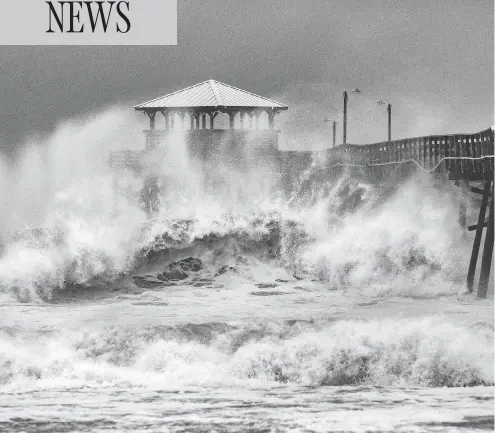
<point x="432" y="59"/>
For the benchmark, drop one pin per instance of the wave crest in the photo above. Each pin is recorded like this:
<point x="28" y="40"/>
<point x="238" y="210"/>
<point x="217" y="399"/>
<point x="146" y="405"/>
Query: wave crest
<point x="426" y="353"/>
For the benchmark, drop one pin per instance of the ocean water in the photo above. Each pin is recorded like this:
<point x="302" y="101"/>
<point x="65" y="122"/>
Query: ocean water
<point x="340" y="307"/>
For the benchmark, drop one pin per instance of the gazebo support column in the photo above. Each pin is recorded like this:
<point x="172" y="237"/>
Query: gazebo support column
<point x="167" y="119"/>
<point x="232" y="119"/>
<point x="242" y="115"/>
<point x="271" y="119"/>
<point x="152" y="116"/>
<point x="182" y="116"/>
<point x="151" y="137"/>
<point x="203" y="121"/>
<point x="191" y="121"/>
<point x="212" y="120"/>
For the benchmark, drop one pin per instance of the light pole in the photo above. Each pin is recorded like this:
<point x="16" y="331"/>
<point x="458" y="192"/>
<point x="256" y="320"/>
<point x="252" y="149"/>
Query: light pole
<point x="389" y="111"/>
<point x="346" y="92"/>
<point x="334" y="127"/>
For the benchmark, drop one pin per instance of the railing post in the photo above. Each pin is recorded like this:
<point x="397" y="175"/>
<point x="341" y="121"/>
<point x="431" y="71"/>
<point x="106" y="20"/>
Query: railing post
<point x="421" y="152"/>
<point x="443" y="144"/>
<point x="430" y="152"/>
<point x="478" y="166"/>
<point x="416" y="150"/>
<point x="451" y="147"/>
<point x="457" y="152"/>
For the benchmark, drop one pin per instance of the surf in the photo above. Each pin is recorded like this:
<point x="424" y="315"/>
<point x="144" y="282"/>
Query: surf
<point x="347" y="233"/>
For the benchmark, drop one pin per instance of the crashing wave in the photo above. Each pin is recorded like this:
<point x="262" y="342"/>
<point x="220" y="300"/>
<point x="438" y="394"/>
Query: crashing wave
<point x="405" y="352"/>
<point x="351" y="237"/>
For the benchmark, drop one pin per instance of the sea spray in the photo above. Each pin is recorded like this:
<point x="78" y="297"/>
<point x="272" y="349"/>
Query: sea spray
<point x="58" y="220"/>
<point x="74" y="229"/>
<point x="409" y="244"/>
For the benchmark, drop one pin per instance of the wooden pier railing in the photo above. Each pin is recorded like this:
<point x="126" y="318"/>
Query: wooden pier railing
<point x="462" y="156"/>
<point x="466" y="156"/>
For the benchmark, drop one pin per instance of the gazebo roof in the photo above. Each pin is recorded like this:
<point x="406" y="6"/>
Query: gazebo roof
<point x="211" y="94"/>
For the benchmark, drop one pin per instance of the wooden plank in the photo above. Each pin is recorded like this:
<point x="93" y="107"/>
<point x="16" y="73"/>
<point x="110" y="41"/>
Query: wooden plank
<point x="476" y="153"/>
<point x="466" y="152"/>
<point x="424" y="163"/>
<point x="421" y="149"/>
<point x="457" y="153"/>
<point x="486" y="151"/>
<point x="490" y="139"/>
<point x="474" y="227"/>
<point x="481" y="163"/>
<point x="451" y="147"/>
<point x="486" y="260"/>
<point x="435" y="151"/>
<point x="484" y="145"/>
<point x="443" y="145"/>
<point x="477" y="237"/>
<point x="407" y="155"/>
<point x="472" y="152"/>
<point x="426" y="153"/>
<point x="477" y="190"/>
<point x="431" y="156"/>
<point x="418" y="151"/>
<point x="447" y="153"/>
<point x="430" y="152"/>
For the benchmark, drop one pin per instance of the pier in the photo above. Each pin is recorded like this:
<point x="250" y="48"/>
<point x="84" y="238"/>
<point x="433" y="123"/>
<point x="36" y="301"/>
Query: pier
<point x="221" y="125"/>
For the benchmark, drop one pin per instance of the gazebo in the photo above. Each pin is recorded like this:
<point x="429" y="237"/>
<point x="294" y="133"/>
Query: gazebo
<point x="194" y="113"/>
<point x="195" y="110"/>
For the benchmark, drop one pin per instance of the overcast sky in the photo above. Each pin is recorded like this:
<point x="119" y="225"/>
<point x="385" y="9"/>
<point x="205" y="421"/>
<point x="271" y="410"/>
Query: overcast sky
<point x="433" y="60"/>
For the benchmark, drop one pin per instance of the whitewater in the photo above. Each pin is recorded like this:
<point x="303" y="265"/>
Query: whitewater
<point x="335" y="307"/>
